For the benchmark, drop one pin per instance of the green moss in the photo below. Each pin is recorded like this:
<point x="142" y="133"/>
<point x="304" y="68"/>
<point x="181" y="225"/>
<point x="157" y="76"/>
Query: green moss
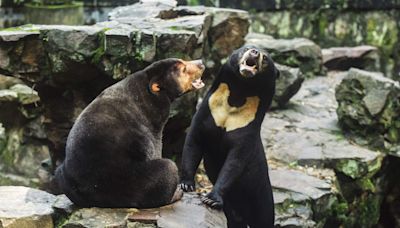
<point x="349" y="167"/>
<point x="366" y="184"/>
<point x="24" y="28"/>
<point x="100" y="51"/>
<point x="368" y="211"/>
<point x="54" y="7"/>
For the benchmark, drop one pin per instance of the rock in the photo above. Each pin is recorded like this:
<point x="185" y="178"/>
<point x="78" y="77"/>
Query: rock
<point x="98" y="217"/>
<point x="26" y="95"/>
<point x="8" y="95"/>
<point x="306" y="137"/>
<point x="297" y="52"/>
<point x="343" y="58"/>
<point x="287" y="85"/>
<point x="25" y="207"/>
<point x="297" y="194"/>
<point x="369" y="106"/>
<point x="337" y="28"/>
<point x="188" y="212"/>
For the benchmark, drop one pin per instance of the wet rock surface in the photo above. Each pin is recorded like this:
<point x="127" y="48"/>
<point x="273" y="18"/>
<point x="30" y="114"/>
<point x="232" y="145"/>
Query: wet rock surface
<point x="298" y="52"/>
<point x="369" y="106"/>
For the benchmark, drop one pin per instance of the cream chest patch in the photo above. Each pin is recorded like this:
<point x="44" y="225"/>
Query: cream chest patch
<point x="228" y="117"/>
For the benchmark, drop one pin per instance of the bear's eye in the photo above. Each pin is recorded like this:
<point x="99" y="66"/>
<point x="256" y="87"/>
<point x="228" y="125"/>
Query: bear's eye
<point x="246" y="49"/>
<point x="184" y="69"/>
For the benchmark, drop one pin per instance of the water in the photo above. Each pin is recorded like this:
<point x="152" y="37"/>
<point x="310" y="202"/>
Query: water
<point x="11" y="17"/>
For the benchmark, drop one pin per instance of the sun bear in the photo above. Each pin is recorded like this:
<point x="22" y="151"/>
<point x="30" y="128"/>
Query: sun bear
<point x="225" y="132"/>
<point x="113" y="151"/>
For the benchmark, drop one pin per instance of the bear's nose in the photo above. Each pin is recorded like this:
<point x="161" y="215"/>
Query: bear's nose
<point x="254" y="52"/>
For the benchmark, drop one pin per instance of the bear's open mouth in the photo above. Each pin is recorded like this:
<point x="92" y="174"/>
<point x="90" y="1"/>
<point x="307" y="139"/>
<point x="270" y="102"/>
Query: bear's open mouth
<point x="198" y="83"/>
<point x="248" y="65"/>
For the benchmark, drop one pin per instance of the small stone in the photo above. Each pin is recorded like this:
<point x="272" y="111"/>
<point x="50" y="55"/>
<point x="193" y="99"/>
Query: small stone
<point x="8" y="95"/>
<point x="344" y="58"/>
<point x="26" y="95"/>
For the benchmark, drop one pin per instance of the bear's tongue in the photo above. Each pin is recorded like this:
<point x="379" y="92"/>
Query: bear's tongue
<point x="198" y="83"/>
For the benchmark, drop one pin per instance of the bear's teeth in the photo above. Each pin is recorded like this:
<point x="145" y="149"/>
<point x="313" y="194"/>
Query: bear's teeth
<point x="198" y="83"/>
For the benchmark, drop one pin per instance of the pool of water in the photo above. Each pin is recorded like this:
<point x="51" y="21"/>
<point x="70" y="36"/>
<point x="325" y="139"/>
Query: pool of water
<point x="11" y="17"/>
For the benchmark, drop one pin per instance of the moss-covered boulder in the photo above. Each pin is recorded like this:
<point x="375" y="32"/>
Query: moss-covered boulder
<point x="369" y="105"/>
<point x="303" y="199"/>
<point x="306" y="136"/>
<point x="22" y="134"/>
<point x="299" y="52"/>
<point x="343" y="58"/>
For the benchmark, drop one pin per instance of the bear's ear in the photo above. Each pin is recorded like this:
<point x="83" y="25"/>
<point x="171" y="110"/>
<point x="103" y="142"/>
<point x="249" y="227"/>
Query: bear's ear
<point x="155" y="87"/>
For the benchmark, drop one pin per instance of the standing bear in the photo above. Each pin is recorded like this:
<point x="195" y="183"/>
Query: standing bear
<point x="225" y="131"/>
<point x="113" y="152"/>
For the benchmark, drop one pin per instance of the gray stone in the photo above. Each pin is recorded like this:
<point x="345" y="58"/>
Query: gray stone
<point x="332" y="174"/>
<point x="296" y="181"/>
<point x="297" y="52"/>
<point x="369" y="106"/>
<point x="343" y="58"/>
<point x="190" y="213"/>
<point x="98" y="217"/>
<point x="7" y="95"/>
<point x="64" y="204"/>
<point x="297" y="194"/>
<point x="25" y="207"/>
<point x="287" y="85"/>
<point x="186" y="213"/>
<point x="26" y="95"/>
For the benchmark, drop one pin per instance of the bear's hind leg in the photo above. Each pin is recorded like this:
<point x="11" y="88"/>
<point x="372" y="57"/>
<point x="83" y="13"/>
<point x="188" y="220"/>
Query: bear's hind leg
<point x="158" y="181"/>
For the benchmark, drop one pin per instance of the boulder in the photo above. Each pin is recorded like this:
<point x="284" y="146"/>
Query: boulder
<point x="344" y="58"/>
<point x="24" y="207"/>
<point x="71" y="65"/>
<point x="369" y="106"/>
<point x="298" y="52"/>
<point x="306" y="137"/>
<point x="302" y="199"/>
<point x="21" y="134"/>
<point x="287" y="85"/>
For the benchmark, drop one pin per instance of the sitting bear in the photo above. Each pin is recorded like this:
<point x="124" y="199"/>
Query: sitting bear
<point x="113" y="151"/>
<point x="225" y="131"/>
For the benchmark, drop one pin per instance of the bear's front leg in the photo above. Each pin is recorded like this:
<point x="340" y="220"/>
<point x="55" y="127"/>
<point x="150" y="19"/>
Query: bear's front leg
<point x="191" y="157"/>
<point x="231" y="171"/>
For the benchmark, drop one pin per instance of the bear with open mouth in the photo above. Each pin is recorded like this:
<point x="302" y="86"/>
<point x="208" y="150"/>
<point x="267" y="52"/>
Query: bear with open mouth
<point x="225" y="132"/>
<point x="113" y="152"/>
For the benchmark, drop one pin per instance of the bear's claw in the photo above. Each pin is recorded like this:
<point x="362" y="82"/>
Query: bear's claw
<point x="212" y="201"/>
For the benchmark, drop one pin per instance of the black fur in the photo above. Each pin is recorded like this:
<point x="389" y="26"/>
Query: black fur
<point x="234" y="160"/>
<point x="113" y="152"/>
